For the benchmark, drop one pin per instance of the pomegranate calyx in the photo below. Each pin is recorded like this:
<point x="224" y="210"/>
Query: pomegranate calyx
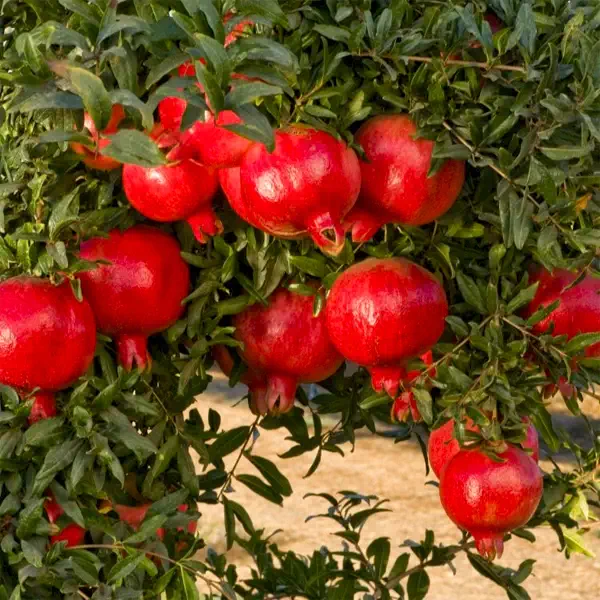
<point x="363" y="224"/>
<point x="132" y="350"/>
<point x="258" y="399"/>
<point x="405" y="405"/>
<point x="205" y="223"/>
<point x="327" y="234"/>
<point x="490" y="545"/>
<point x="387" y="378"/>
<point x="44" y="407"/>
<point x="280" y="393"/>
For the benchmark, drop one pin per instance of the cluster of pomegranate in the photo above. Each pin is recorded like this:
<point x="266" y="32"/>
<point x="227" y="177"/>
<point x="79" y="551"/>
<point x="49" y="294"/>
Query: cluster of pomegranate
<point x="136" y="290"/>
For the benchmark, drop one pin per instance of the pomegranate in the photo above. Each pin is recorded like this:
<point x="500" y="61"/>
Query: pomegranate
<point x="134" y="517"/>
<point x="140" y="292"/>
<point x="47" y="339"/>
<point x="180" y="190"/>
<point x="306" y="186"/>
<point x="405" y="404"/>
<point x="395" y="185"/>
<point x="53" y="509"/>
<point x="93" y="157"/>
<point x="489" y="498"/>
<point x="442" y="446"/>
<point x="381" y="313"/>
<point x="256" y="382"/>
<point x="72" y="534"/>
<point x="288" y="344"/>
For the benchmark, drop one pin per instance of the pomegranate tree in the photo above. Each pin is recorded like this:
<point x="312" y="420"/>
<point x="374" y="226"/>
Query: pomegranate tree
<point x="378" y="217"/>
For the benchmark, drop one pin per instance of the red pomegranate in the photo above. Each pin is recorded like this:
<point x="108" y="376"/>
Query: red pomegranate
<point x="47" y="339"/>
<point x="405" y="404"/>
<point x="442" y="446"/>
<point x="72" y="534"/>
<point x="256" y="382"/>
<point x="140" y="292"/>
<point x="93" y="157"/>
<point x="134" y="517"/>
<point x="383" y="312"/>
<point x="180" y="190"/>
<point x="395" y="185"/>
<point x="53" y="509"/>
<point x="488" y="498"/>
<point x="288" y="344"/>
<point x="306" y="186"/>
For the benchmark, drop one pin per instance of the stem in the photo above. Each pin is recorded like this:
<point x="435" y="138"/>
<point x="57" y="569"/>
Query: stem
<point x="239" y="457"/>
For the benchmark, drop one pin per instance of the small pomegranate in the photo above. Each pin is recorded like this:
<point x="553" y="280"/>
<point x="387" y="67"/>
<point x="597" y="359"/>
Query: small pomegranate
<point x="381" y="313"/>
<point x="93" y="158"/>
<point x="405" y="404"/>
<point x="47" y="339"/>
<point x="442" y="446"/>
<point x="256" y="382"/>
<point x="72" y="534"/>
<point x="288" y="344"/>
<point x="489" y="498"/>
<point x="140" y="292"/>
<point x="134" y="517"/>
<point x="305" y="187"/>
<point x="395" y="185"/>
<point x="53" y="509"/>
<point x="180" y="190"/>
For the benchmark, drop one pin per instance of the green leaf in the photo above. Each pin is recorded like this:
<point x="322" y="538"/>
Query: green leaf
<point x="165" y="67"/>
<point x="272" y="474"/>
<point x="58" y="458"/>
<point x="228" y="442"/>
<point x="424" y="404"/>
<point x="379" y="552"/>
<point x="148" y="528"/>
<point x="312" y="266"/>
<point x="134" y="147"/>
<point x="83" y="9"/>
<point x="229" y="520"/>
<point x="566" y="152"/>
<point x="269" y="9"/>
<point x="190" y="591"/>
<point x="122" y="431"/>
<point x="575" y="543"/>
<point x="522" y="298"/>
<point x="332" y="32"/>
<point x="123" y="23"/>
<point x="470" y="292"/>
<point x="124" y="567"/>
<point x="32" y="554"/>
<point x="261" y="488"/>
<point x="45" y="432"/>
<point x="581" y="342"/>
<point x="418" y="585"/>
<point x="246" y="93"/>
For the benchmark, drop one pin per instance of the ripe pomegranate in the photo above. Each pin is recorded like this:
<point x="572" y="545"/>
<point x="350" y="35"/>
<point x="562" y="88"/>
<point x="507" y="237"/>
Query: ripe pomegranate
<point x="381" y="313"/>
<point x="288" y="344"/>
<point x="405" y="404"/>
<point x="213" y="145"/>
<point x="140" y="292"/>
<point x="442" y="446"/>
<point x="134" y="517"/>
<point x="489" y="498"/>
<point x="306" y="186"/>
<point x="256" y="382"/>
<point x="72" y="534"/>
<point x="53" y="509"/>
<point x="44" y="407"/>
<point x="395" y="185"/>
<point x="47" y="339"/>
<point x="93" y="158"/>
<point x="180" y="190"/>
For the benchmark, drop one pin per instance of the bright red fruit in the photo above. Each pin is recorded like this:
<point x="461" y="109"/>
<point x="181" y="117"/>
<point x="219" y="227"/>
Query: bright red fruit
<point x="53" y="509"/>
<point x="442" y="446"/>
<point x="256" y="382"/>
<point x="72" y="534"/>
<point x="181" y="190"/>
<point x="305" y="187"/>
<point x="405" y="404"/>
<point x="381" y="313"/>
<point x="213" y="145"/>
<point x="288" y="344"/>
<point x="395" y="185"/>
<point x="140" y="292"/>
<point x="47" y="339"/>
<point x="489" y="498"/>
<point x="132" y="515"/>
<point x="93" y="157"/>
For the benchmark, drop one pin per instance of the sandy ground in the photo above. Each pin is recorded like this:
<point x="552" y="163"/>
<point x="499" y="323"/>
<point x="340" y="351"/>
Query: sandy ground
<point x="393" y="471"/>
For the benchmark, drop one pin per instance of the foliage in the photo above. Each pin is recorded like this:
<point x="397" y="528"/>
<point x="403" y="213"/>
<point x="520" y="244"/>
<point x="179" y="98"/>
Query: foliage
<point x="522" y="106"/>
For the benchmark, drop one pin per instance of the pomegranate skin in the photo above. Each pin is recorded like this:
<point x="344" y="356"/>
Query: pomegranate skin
<point x="443" y="447"/>
<point x="72" y="534"/>
<point x="256" y="382"/>
<point x="382" y="312"/>
<point x="182" y="190"/>
<point x="53" y="509"/>
<point x="286" y="343"/>
<point x="44" y="407"/>
<point x="305" y="187"/>
<point x="47" y="337"/>
<point x="140" y="292"/>
<point x="489" y="499"/>
<point x="395" y="186"/>
<point x="579" y="308"/>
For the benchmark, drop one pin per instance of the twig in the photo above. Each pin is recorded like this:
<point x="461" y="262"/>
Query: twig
<point x="84" y="596"/>
<point x="237" y="461"/>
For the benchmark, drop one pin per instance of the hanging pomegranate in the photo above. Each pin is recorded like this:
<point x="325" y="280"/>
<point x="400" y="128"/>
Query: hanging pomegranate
<point x="381" y="313"/>
<point x="489" y="497"/>
<point x="305" y="187"/>
<point x="396" y="187"/>
<point x="287" y="344"/>
<point x="140" y="292"/>
<point x="47" y="339"/>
